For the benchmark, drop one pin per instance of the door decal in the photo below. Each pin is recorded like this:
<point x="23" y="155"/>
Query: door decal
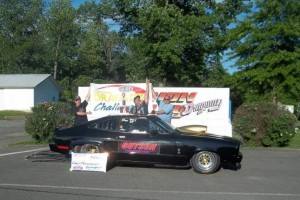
<point x="139" y="147"/>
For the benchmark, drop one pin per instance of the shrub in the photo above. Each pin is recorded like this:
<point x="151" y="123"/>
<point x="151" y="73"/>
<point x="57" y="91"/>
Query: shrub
<point x="45" y="117"/>
<point x="263" y="124"/>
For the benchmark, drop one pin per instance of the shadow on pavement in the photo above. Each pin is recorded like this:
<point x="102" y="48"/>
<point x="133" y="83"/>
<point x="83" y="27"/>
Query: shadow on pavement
<point x="47" y="156"/>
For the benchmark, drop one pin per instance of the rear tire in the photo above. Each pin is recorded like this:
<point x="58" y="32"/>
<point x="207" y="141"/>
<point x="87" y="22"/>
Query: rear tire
<point x="87" y="148"/>
<point x="205" y="162"/>
<point x="91" y="148"/>
<point x="76" y="149"/>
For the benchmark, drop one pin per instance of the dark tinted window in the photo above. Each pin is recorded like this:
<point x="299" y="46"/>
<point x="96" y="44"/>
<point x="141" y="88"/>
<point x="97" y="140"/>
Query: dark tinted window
<point x="134" y="125"/>
<point x="109" y="124"/>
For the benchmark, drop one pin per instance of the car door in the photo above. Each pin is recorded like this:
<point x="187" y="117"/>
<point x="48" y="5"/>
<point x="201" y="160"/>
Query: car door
<point x="144" y="141"/>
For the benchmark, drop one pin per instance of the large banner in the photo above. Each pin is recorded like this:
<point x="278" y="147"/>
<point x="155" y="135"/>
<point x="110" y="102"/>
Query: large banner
<point x="192" y="106"/>
<point x="107" y="99"/>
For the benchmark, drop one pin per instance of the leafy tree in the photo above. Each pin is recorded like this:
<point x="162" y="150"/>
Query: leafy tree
<point x="266" y="44"/>
<point x="40" y="124"/>
<point x="263" y="124"/>
<point x="172" y="42"/>
<point x="21" y="50"/>
<point x="60" y="31"/>
<point x="99" y="51"/>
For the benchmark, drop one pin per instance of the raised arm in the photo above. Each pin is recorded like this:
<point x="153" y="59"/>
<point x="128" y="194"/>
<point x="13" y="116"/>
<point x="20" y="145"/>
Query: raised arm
<point x="153" y="92"/>
<point x="88" y="96"/>
<point x="147" y="91"/>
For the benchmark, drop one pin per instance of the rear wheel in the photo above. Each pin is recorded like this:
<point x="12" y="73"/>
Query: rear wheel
<point x="87" y="148"/>
<point x="205" y="162"/>
<point x="76" y="149"/>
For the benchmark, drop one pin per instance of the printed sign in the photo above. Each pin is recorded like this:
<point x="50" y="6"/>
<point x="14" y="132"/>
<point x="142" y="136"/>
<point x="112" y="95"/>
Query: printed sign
<point x="139" y="147"/>
<point x="192" y="106"/>
<point x="114" y="98"/>
<point x="89" y="162"/>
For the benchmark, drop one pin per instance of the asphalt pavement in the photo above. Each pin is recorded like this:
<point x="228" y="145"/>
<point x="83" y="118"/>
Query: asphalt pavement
<point x="33" y="172"/>
<point x="12" y="131"/>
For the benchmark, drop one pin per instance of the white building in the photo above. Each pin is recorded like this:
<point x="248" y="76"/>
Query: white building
<point x="23" y="91"/>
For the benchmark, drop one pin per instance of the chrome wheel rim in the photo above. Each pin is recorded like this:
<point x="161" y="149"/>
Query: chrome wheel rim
<point x="90" y="148"/>
<point x="205" y="160"/>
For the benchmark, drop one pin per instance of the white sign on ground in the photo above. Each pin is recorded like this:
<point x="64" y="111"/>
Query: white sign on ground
<point x="89" y="162"/>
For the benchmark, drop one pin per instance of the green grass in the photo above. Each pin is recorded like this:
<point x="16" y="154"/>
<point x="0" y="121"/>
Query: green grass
<point x="295" y="143"/>
<point x="27" y="143"/>
<point x="10" y="114"/>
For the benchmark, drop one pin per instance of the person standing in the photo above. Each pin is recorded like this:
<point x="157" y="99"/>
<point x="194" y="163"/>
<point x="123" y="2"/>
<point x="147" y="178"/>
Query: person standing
<point x="140" y="107"/>
<point x="165" y="108"/>
<point x="79" y="109"/>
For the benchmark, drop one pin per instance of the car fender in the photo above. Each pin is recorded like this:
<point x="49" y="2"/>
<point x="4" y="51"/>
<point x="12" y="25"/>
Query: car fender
<point x="82" y="142"/>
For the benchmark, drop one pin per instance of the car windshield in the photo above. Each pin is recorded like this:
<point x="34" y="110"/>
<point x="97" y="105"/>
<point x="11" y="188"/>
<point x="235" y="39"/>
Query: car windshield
<point x="168" y="127"/>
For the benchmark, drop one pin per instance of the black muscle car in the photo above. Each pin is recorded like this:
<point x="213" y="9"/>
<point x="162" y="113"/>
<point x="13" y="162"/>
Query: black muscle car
<point x="148" y="140"/>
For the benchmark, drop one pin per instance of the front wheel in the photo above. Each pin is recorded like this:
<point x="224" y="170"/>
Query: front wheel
<point x="205" y="162"/>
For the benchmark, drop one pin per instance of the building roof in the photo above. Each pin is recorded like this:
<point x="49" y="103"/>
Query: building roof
<point x="25" y="80"/>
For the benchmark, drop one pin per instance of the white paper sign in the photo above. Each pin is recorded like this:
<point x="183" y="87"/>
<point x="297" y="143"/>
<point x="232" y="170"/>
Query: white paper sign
<point x="89" y="162"/>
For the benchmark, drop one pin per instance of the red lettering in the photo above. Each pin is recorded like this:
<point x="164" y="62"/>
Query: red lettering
<point x="144" y="147"/>
<point x="185" y="96"/>
<point x="141" y="147"/>
<point x="178" y="97"/>
<point x="130" y="146"/>
<point x="123" y="145"/>
<point x="152" y="147"/>
<point x="177" y="110"/>
<point x="138" y="146"/>
<point x="162" y="95"/>
<point x="148" y="147"/>
<point x="135" y="145"/>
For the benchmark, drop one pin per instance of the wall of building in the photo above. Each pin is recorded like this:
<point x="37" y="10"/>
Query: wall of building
<point x="45" y="92"/>
<point x="16" y="99"/>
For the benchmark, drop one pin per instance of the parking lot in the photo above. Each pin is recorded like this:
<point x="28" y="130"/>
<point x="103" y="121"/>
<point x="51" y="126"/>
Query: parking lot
<point x="33" y="172"/>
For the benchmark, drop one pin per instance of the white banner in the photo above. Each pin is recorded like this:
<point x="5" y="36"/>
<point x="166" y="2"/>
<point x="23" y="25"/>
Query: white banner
<point x="89" y="162"/>
<point x="192" y="106"/>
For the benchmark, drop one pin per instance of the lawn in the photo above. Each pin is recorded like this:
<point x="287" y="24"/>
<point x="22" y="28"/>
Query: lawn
<point x="12" y="114"/>
<point x="295" y="143"/>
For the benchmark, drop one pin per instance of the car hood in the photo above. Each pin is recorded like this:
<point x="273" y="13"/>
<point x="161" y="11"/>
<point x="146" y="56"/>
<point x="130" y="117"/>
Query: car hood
<point x="195" y="130"/>
<point x="199" y="131"/>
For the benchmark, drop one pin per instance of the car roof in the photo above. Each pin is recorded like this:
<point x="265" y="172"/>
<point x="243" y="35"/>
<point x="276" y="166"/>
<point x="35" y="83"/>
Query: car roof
<point x="126" y="115"/>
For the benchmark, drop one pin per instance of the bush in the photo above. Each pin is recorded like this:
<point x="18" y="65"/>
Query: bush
<point x="263" y="124"/>
<point x="45" y="117"/>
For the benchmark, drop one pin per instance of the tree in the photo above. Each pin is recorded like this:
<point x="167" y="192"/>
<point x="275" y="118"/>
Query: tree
<point x="172" y="42"/>
<point x="60" y="31"/>
<point x="20" y="40"/>
<point x="267" y="46"/>
<point x="99" y="51"/>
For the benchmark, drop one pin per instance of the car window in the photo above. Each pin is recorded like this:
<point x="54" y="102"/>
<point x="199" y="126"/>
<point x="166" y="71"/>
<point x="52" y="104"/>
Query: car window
<point x="134" y="125"/>
<point x="155" y="127"/>
<point x="109" y="125"/>
<point x="125" y="125"/>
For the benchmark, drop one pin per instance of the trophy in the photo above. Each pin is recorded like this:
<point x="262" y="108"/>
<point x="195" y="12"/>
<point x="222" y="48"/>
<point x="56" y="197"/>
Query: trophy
<point x="123" y="105"/>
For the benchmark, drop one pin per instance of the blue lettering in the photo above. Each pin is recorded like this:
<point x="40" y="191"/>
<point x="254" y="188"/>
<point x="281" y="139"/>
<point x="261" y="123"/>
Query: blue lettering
<point x="103" y="106"/>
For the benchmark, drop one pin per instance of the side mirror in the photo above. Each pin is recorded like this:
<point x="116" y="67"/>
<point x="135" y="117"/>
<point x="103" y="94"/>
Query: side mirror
<point x="154" y="132"/>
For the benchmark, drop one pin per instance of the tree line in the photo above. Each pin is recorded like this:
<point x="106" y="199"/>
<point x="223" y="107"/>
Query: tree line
<point x="172" y="42"/>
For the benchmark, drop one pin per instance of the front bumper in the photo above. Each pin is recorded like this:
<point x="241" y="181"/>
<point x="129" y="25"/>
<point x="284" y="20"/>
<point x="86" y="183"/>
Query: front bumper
<point x="239" y="158"/>
<point x="236" y="158"/>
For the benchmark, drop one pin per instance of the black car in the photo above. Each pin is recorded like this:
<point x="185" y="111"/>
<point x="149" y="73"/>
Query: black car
<point x="148" y="140"/>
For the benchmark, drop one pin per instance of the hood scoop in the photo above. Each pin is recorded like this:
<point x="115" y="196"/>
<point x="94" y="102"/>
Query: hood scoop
<point x="193" y="130"/>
